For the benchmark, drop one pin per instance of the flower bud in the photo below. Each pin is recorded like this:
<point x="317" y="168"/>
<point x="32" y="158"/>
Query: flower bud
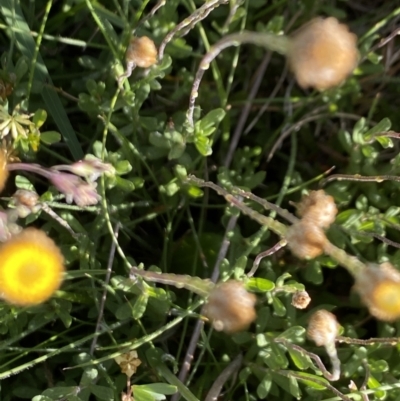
<point x="230" y="307"/>
<point x="90" y="168"/>
<point x="319" y="208"/>
<point x="301" y="299"/>
<point x="306" y="240"/>
<point x="75" y="189"/>
<point x="379" y="289"/>
<point x="323" y="328"/>
<point x="142" y="52"/>
<point x="322" y="53"/>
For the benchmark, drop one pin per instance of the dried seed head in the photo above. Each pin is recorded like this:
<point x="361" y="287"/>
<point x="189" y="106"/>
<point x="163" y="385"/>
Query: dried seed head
<point x="301" y="299"/>
<point x="323" y="328"/>
<point x="128" y="362"/>
<point x="306" y="240"/>
<point x="322" y="53"/>
<point x="319" y="208"/>
<point x="230" y="307"/>
<point x="379" y="289"/>
<point x="142" y="52"/>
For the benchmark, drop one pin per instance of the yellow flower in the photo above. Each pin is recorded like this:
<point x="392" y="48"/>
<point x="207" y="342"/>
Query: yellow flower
<point x="31" y="268"/>
<point x="322" y="53"/>
<point x="379" y="289"/>
<point x="3" y="169"/>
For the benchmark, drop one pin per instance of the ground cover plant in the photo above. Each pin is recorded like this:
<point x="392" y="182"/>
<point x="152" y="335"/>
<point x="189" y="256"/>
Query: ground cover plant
<point x="199" y="200"/>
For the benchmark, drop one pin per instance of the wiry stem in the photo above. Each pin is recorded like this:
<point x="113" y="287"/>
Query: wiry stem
<point x="31" y="167"/>
<point x="267" y="40"/>
<point x="197" y="285"/>
<point x="351" y="263"/>
<point x="189" y="22"/>
<point x="269" y="222"/>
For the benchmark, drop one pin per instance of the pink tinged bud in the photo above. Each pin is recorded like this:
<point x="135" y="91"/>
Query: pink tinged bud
<point x="75" y="189"/>
<point x="90" y="168"/>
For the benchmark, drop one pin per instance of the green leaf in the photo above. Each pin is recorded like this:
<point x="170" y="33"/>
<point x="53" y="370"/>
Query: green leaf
<point x="294" y="334"/>
<point x="39" y="118"/>
<point x="15" y="19"/>
<point x="315" y="382"/>
<point x="257" y="284"/>
<point x="209" y="122"/>
<point x="301" y="360"/>
<point x="383" y="126"/>
<point x="264" y="387"/>
<point x="123" y="167"/>
<point x="203" y="145"/>
<point x="278" y="306"/>
<point x="59" y="392"/>
<point x="50" y="137"/>
<point x="154" y="357"/>
<point x="102" y="392"/>
<point x="140" y="306"/>
<point x="161" y="388"/>
<point x="373" y="383"/>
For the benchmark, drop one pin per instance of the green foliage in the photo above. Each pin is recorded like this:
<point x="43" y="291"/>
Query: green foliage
<point x="61" y="98"/>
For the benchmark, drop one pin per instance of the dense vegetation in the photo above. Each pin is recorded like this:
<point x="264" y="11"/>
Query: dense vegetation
<point x="64" y="95"/>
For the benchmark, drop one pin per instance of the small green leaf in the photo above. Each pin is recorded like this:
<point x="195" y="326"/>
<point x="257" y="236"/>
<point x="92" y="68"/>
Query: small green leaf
<point x="39" y="118"/>
<point x="211" y="120"/>
<point x="301" y="360"/>
<point x="161" y="388"/>
<point x="203" y="145"/>
<point x="257" y="284"/>
<point x="140" y="306"/>
<point x="102" y="392"/>
<point x="294" y="334"/>
<point x="278" y="306"/>
<point x="123" y="167"/>
<point x="60" y="392"/>
<point x="50" y="137"/>
<point x="315" y="382"/>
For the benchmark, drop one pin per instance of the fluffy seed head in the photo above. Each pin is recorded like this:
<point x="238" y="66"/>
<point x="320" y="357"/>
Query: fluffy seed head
<point x="306" y="240"/>
<point x="142" y="52"/>
<point x="230" y="307"/>
<point x="319" y="208"/>
<point x="323" y="328"/>
<point x="31" y="268"/>
<point x="379" y="289"/>
<point x="322" y="53"/>
<point x="301" y="299"/>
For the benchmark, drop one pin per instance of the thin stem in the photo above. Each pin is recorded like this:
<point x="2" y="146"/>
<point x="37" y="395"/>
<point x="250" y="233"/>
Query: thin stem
<point x="269" y="222"/>
<point x="200" y="286"/>
<point x="264" y="254"/>
<point x="104" y="296"/>
<point x="351" y="263"/>
<point x="267" y="40"/>
<point x="32" y="168"/>
<point x="188" y="23"/>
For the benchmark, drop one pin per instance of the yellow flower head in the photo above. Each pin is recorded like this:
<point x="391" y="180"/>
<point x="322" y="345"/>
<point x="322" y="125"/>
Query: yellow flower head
<point x="31" y="268"/>
<point x="379" y="289"/>
<point x="3" y="169"/>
